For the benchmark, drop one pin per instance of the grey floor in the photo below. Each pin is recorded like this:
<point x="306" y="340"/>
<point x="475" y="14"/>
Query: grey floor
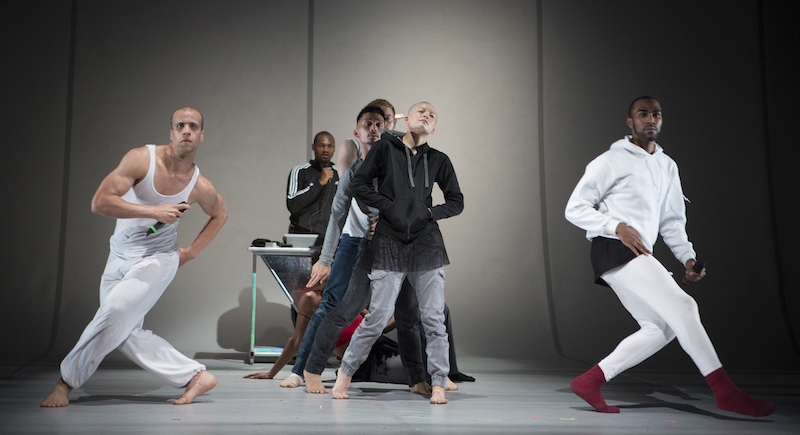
<point x="508" y="397"/>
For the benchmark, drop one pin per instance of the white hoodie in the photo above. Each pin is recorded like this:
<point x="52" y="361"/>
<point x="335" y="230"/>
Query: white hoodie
<point x="626" y="184"/>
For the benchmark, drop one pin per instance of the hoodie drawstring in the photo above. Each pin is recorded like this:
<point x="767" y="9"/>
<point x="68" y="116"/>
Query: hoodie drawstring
<point x="408" y="160"/>
<point x="410" y="172"/>
<point x="425" y="159"/>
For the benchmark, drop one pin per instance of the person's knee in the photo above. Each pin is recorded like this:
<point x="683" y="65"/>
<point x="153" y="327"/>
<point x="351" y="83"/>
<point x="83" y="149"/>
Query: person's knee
<point x="115" y="310"/>
<point x="433" y="325"/>
<point x="687" y="306"/>
<point x="653" y="329"/>
<point x="308" y="303"/>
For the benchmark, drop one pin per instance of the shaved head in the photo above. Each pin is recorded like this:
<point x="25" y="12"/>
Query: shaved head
<point x="185" y="109"/>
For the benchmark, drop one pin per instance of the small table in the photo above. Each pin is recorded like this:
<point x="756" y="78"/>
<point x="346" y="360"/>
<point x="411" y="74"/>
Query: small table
<point x="291" y="268"/>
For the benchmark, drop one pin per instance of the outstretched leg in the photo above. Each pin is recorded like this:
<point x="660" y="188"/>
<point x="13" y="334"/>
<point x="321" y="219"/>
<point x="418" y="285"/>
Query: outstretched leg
<point x="307" y="304"/>
<point x="430" y="294"/>
<point x="385" y="287"/>
<point x="651" y="295"/>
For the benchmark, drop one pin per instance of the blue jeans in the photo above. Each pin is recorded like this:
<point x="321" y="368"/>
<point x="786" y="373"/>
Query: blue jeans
<point x="342" y="267"/>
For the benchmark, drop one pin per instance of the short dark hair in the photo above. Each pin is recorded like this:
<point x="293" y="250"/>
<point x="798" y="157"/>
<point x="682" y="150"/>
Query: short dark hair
<point x="630" y="107"/>
<point x="322" y="133"/>
<point x="380" y="102"/>
<point x="369" y="109"/>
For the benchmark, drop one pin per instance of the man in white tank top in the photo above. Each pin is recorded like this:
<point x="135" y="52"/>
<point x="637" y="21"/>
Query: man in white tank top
<point x="147" y="193"/>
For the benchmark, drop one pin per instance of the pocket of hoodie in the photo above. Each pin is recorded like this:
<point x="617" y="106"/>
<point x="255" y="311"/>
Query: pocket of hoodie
<point x="420" y="217"/>
<point x="396" y="214"/>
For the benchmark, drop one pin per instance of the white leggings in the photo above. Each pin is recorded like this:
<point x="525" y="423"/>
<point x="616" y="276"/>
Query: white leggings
<point x="128" y="290"/>
<point x="663" y="310"/>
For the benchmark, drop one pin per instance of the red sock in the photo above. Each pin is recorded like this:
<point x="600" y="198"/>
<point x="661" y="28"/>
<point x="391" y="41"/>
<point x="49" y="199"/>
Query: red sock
<point x="587" y="387"/>
<point x="730" y="398"/>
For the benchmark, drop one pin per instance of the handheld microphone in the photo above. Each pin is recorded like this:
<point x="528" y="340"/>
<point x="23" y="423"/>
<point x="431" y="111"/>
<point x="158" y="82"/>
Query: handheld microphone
<point x="158" y="225"/>
<point x="698" y="267"/>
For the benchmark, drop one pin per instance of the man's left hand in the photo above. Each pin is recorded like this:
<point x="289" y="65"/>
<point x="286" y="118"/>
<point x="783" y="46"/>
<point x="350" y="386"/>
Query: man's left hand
<point x="691" y="275"/>
<point x="373" y="222"/>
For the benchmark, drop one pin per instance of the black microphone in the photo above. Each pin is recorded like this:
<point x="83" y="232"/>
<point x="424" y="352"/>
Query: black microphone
<point x="158" y="225"/>
<point x="698" y="267"/>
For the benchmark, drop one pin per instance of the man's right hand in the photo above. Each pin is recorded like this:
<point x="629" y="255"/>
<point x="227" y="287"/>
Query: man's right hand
<point x="630" y="238"/>
<point x="169" y="213"/>
<point x="319" y="274"/>
<point x="326" y="175"/>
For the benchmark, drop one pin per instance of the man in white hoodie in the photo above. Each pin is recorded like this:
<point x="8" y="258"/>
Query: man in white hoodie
<point x="628" y="196"/>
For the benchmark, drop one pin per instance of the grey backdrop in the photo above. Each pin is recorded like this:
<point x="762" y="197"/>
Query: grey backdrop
<point x="528" y="93"/>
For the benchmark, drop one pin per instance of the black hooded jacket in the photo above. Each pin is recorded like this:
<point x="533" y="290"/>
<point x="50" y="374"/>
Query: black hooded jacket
<point x="404" y="187"/>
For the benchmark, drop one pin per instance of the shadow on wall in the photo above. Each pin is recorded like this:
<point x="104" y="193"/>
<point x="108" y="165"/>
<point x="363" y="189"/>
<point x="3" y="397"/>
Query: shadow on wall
<point x="273" y="323"/>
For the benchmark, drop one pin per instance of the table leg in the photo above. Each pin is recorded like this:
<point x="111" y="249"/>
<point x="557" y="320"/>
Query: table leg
<point x="253" y="315"/>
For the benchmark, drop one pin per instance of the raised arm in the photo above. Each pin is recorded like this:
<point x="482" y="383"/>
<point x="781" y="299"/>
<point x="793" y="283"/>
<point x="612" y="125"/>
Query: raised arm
<point x="214" y="206"/>
<point x="107" y="200"/>
<point x="348" y="153"/>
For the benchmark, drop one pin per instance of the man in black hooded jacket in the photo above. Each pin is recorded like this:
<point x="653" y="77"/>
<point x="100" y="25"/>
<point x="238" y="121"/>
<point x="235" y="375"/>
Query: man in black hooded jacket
<point x="407" y="241"/>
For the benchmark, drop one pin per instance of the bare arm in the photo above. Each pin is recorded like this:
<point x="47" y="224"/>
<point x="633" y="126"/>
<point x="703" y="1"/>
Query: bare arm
<point x="307" y="305"/>
<point x="347" y="155"/>
<point x="214" y="206"/>
<point x="107" y="200"/>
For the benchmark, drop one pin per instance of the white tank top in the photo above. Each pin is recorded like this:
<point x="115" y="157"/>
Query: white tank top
<point x="357" y="223"/>
<point x="130" y="238"/>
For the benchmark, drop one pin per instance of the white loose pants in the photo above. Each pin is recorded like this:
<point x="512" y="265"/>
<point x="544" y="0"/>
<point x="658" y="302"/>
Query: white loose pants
<point x="663" y="310"/>
<point x="128" y="290"/>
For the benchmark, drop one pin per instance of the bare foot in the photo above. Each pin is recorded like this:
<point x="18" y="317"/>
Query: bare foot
<point x="200" y="383"/>
<point x="450" y="385"/>
<point x="341" y="385"/>
<point x="422" y="388"/>
<point x="293" y="381"/>
<point x="58" y="397"/>
<point x="314" y="383"/>
<point x="437" y="398"/>
<point x="259" y="375"/>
